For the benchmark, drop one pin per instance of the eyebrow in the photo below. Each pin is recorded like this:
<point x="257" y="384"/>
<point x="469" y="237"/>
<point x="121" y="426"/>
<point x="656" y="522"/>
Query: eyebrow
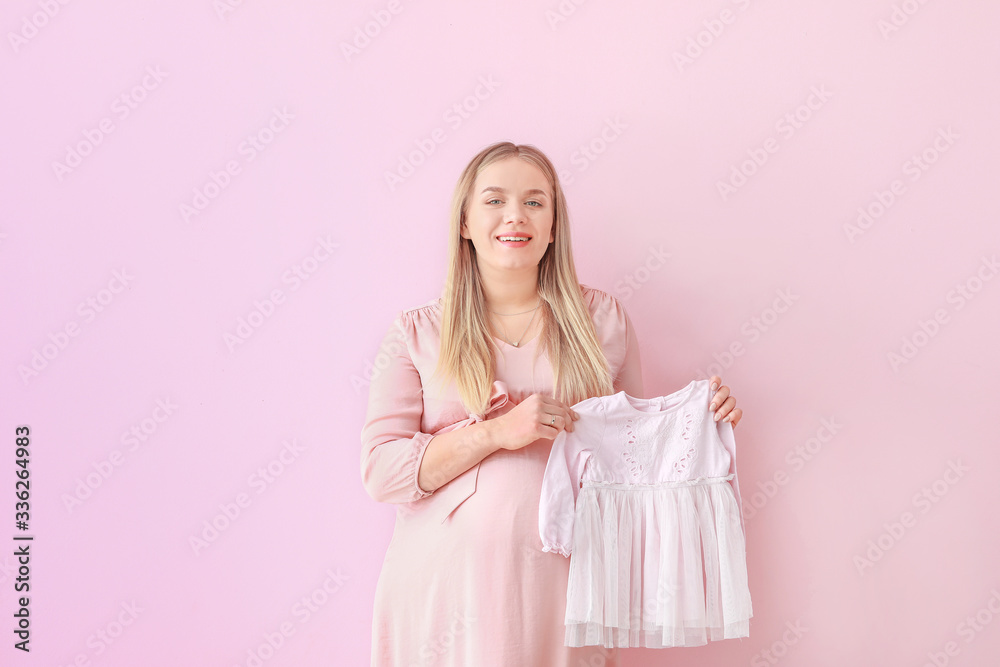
<point x="495" y="188"/>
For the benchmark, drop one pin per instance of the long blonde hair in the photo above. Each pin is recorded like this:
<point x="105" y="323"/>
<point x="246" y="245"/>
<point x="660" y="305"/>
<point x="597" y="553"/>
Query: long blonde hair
<point x="580" y="368"/>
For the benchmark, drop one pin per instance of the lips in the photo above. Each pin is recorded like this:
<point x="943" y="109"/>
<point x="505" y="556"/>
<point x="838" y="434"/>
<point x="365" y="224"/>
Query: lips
<point x="523" y="236"/>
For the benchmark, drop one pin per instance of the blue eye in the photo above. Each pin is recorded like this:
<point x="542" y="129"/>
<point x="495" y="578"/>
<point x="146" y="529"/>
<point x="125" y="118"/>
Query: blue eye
<point x="536" y="203"/>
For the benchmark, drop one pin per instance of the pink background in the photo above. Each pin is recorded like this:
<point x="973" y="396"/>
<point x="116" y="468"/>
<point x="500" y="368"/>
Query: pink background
<point x="841" y="545"/>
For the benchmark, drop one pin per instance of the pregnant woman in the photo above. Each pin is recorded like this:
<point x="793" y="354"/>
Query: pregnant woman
<point x="461" y="421"/>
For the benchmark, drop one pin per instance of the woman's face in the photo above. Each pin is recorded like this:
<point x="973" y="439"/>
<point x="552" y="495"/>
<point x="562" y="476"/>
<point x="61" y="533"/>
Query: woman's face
<point x="510" y="198"/>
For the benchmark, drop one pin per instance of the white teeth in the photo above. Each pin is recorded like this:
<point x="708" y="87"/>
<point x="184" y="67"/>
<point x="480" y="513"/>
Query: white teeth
<point x="513" y="238"/>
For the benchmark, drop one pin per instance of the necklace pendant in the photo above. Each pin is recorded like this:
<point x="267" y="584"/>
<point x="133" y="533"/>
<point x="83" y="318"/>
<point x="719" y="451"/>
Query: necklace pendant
<point x="515" y="344"/>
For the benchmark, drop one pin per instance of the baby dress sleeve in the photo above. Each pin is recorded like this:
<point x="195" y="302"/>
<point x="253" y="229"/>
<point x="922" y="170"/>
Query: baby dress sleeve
<point x="563" y="472"/>
<point x="392" y="443"/>
<point x="728" y="439"/>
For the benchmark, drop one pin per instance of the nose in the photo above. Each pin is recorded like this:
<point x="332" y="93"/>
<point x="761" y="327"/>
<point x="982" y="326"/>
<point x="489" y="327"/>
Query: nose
<point x="513" y="212"/>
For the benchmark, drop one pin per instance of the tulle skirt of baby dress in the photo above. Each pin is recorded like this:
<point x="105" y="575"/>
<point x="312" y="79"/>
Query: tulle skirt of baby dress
<point x="657" y="565"/>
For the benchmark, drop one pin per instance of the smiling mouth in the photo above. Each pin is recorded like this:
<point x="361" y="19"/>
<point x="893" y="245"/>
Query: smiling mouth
<point x="514" y="238"/>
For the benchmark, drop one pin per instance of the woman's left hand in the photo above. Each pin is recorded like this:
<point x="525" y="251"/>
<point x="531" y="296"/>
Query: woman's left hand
<point x="723" y="404"/>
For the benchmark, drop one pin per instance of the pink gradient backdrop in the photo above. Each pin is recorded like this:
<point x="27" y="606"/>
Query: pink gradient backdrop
<point x="662" y="134"/>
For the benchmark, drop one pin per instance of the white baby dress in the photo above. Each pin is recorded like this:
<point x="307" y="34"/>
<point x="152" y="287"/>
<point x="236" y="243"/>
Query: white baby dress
<point x="656" y="531"/>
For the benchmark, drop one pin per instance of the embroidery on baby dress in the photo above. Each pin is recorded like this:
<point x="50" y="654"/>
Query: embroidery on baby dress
<point x="690" y="424"/>
<point x="638" y="438"/>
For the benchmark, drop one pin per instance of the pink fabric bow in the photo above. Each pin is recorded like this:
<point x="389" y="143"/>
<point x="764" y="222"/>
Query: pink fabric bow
<point x="498" y="399"/>
<point x="447" y="498"/>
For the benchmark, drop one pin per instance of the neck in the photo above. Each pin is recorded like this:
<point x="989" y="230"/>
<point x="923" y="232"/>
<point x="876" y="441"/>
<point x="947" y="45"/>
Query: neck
<point x="511" y="291"/>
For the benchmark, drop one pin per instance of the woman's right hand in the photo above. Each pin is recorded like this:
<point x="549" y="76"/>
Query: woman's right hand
<point x="538" y="416"/>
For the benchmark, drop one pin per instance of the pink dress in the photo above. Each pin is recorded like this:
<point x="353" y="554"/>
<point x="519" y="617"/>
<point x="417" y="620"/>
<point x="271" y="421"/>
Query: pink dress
<point x="465" y="581"/>
<point x="655" y="531"/>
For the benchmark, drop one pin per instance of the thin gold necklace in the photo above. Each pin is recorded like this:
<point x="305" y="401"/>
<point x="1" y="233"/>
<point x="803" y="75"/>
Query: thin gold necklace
<point x="526" y="328"/>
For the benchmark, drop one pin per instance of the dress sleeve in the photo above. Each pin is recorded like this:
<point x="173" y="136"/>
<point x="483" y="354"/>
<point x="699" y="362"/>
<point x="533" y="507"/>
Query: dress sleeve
<point x="728" y="439"/>
<point x="617" y="337"/>
<point x="392" y="443"/>
<point x="563" y="472"/>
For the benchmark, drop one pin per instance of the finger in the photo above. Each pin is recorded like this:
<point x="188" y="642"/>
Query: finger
<point x="727" y="406"/>
<point x="734" y="417"/>
<point x="715" y="382"/>
<point x="558" y="421"/>
<point x="570" y="416"/>
<point x="719" y="398"/>
<point x="554" y="406"/>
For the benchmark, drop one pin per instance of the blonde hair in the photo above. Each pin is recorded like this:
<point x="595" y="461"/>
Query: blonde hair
<point x="468" y="351"/>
